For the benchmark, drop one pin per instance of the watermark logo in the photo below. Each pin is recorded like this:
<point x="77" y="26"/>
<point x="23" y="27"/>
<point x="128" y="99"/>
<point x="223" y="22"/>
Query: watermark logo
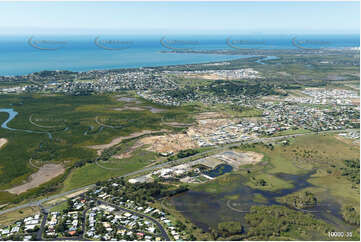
<point x="242" y="43"/>
<point x="112" y="44"/>
<point x="46" y="44"/>
<point x="308" y="44"/>
<point x="48" y="122"/>
<point x="179" y="44"/>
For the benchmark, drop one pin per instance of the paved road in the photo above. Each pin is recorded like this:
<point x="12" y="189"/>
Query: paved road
<point x="83" y="226"/>
<point x="162" y="230"/>
<point x="45" y="214"/>
<point x="39" y="202"/>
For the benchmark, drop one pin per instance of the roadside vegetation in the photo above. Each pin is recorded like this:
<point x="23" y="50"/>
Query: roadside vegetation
<point x="8" y="218"/>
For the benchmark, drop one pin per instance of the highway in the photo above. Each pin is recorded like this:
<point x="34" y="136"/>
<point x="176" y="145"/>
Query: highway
<point x="165" y="164"/>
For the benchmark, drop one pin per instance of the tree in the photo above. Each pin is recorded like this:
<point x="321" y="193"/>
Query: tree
<point x="122" y="182"/>
<point x="262" y="182"/>
<point x="226" y="229"/>
<point x="191" y="237"/>
<point x="180" y="225"/>
<point x="60" y="228"/>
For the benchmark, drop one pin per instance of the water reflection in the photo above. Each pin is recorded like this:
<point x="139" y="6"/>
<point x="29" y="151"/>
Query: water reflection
<point x="207" y="209"/>
<point x="12" y="114"/>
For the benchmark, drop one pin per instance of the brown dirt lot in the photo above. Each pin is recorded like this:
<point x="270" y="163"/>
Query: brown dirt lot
<point x="255" y="157"/>
<point x="207" y="123"/>
<point x="43" y="175"/>
<point x="355" y="101"/>
<point x="116" y="141"/>
<point x="169" y="143"/>
<point x="3" y="141"/>
<point x="238" y="159"/>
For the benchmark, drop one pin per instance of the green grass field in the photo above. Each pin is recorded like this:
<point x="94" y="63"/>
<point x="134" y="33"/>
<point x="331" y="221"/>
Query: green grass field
<point x="78" y="114"/>
<point x="272" y="183"/>
<point x="91" y="173"/>
<point x="60" y="207"/>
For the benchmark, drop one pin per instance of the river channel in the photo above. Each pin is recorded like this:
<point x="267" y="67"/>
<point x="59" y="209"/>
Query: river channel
<point x="12" y="114"/>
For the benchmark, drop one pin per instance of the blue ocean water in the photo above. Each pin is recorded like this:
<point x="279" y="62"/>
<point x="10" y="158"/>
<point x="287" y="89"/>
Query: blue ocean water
<point x="21" y="55"/>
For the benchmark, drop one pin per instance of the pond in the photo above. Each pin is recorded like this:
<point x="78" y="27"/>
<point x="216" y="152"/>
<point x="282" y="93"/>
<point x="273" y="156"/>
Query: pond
<point x="206" y="210"/>
<point x="219" y="170"/>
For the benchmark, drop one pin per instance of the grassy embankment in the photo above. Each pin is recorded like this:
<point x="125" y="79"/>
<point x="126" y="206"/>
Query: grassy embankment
<point x="11" y="217"/>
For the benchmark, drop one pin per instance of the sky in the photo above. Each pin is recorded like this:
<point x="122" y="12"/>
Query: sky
<point x="179" y="17"/>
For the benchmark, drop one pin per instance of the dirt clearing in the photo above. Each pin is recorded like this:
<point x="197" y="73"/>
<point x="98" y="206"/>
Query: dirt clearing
<point x="169" y="143"/>
<point x="3" y="141"/>
<point x="101" y="148"/>
<point x="43" y="175"/>
<point x="207" y="124"/>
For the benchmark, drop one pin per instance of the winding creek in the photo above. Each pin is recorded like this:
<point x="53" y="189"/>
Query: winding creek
<point x="261" y="61"/>
<point x="12" y="114"/>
